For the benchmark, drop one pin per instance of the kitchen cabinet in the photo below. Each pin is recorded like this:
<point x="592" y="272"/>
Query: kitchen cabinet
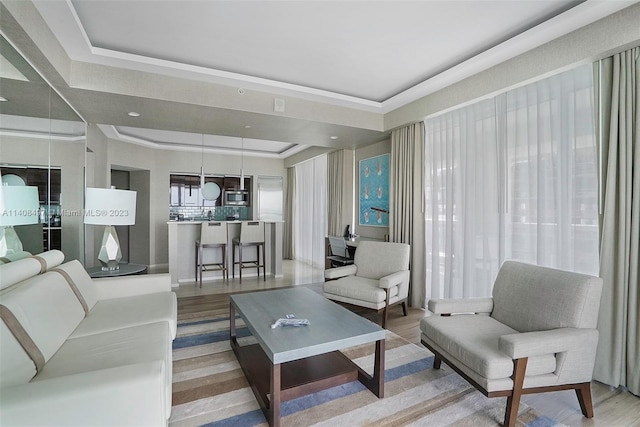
<point x="232" y="183"/>
<point x="184" y="190"/>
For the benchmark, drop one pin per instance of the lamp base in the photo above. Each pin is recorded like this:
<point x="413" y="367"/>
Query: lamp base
<point x="110" y="254"/>
<point x="9" y="241"/>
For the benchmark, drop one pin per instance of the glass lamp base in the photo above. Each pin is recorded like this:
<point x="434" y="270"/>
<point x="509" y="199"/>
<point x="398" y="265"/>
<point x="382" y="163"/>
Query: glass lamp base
<point x="110" y="254"/>
<point x="9" y="241"/>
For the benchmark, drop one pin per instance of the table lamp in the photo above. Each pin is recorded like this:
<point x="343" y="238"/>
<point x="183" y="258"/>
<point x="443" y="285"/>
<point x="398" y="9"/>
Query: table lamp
<point x="18" y="206"/>
<point x="110" y="207"/>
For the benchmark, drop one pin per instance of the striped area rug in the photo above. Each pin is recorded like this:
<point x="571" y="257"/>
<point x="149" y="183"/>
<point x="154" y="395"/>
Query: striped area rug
<point x="210" y="389"/>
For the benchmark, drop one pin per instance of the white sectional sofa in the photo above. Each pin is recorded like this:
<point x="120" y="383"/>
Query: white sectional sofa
<point x="76" y="351"/>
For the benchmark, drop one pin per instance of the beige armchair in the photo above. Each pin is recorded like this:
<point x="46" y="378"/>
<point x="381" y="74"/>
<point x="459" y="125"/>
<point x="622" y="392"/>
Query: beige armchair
<point x="536" y="334"/>
<point x="377" y="279"/>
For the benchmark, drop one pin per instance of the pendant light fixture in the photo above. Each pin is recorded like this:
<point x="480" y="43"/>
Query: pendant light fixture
<point x="242" y="167"/>
<point x="210" y="190"/>
<point x="202" y="164"/>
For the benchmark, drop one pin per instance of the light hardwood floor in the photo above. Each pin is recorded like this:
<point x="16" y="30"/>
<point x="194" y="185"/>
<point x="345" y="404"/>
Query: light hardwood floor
<point x="613" y="407"/>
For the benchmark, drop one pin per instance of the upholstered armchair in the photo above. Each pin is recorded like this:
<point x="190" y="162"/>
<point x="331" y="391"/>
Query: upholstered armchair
<point x="537" y="333"/>
<point x="377" y="279"/>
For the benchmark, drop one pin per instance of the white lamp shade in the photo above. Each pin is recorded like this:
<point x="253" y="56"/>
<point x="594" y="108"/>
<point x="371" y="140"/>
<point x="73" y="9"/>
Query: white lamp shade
<point x="18" y="205"/>
<point x="110" y="207"/>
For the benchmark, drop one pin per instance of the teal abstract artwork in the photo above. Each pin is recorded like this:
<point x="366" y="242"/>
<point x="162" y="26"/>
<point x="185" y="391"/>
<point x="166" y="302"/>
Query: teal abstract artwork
<point x="374" y="191"/>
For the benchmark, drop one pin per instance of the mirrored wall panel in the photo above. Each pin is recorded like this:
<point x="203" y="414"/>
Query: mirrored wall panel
<point x="42" y="145"/>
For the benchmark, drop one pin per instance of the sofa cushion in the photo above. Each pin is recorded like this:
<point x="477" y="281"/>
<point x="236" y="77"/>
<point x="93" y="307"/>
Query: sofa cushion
<point x="145" y="344"/>
<point x="359" y="288"/>
<point x="81" y="280"/>
<point x="14" y="257"/>
<point x="379" y="259"/>
<point x="16" y="367"/>
<point x="50" y="259"/>
<point x="476" y="344"/>
<point x="118" y="313"/>
<point x="47" y="309"/>
<point x="17" y="271"/>
<point x="126" y="346"/>
<point x="533" y="298"/>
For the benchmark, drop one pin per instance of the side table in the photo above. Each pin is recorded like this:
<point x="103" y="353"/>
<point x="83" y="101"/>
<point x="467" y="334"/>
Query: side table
<point x="125" y="269"/>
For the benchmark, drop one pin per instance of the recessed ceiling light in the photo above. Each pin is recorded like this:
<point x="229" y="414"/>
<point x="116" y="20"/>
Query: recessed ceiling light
<point x="3" y="99"/>
<point x="333" y="137"/>
<point x="247" y="127"/>
<point x="133" y="114"/>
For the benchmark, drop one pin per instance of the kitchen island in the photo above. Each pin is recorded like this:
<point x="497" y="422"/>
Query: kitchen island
<point x="182" y="252"/>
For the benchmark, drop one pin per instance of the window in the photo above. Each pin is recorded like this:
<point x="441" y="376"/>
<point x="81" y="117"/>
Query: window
<point x="512" y="177"/>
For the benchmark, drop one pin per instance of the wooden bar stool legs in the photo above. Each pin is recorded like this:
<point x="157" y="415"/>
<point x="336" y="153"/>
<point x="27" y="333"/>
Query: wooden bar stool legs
<point x="212" y="235"/>
<point x="242" y="264"/>
<point x="251" y="234"/>
<point x="201" y="266"/>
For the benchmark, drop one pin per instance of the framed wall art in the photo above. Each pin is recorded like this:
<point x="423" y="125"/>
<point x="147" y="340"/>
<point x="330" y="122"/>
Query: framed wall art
<point x="374" y="191"/>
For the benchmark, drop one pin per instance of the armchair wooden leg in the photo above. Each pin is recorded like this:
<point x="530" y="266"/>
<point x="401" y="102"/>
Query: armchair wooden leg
<point x="583" y="391"/>
<point x="404" y="308"/>
<point x="437" y="361"/>
<point x="386" y="310"/>
<point x="264" y="265"/>
<point x="513" y="401"/>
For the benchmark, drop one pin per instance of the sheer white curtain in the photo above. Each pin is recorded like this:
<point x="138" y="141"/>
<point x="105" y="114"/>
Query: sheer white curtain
<point x="512" y="177"/>
<point x="310" y="213"/>
<point x="551" y="172"/>
<point x="461" y="201"/>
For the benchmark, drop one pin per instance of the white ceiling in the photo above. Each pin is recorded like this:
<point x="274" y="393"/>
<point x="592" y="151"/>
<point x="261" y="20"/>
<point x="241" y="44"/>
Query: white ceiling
<point x="369" y="55"/>
<point x="367" y="50"/>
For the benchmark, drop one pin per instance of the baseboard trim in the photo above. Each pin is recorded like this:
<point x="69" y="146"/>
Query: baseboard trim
<point x="158" y="268"/>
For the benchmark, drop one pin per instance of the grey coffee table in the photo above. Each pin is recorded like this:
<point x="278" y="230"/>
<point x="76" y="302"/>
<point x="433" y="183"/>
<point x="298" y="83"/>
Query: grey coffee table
<point x="288" y="362"/>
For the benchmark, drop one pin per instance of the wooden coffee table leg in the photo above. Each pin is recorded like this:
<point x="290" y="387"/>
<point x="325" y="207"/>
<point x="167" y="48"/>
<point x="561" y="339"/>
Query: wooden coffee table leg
<point x="375" y="383"/>
<point x="274" y="400"/>
<point x="232" y="328"/>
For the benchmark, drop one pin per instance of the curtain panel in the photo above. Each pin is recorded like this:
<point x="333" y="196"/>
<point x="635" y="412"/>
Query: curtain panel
<point x="310" y="214"/>
<point x="462" y="215"/>
<point x="618" y="360"/>
<point x="406" y="198"/>
<point x="335" y="184"/>
<point x="289" y="206"/>
<point x="512" y="177"/>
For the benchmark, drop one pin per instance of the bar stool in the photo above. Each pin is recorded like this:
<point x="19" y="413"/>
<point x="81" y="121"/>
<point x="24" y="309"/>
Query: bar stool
<point x="212" y="235"/>
<point x="251" y="234"/>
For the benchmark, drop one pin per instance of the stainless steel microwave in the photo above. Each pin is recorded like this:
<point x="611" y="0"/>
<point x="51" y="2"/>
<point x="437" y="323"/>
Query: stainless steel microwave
<point x="236" y="198"/>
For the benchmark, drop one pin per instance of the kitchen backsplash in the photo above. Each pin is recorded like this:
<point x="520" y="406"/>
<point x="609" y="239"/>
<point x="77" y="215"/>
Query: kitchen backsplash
<point x="219" y="213"/>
